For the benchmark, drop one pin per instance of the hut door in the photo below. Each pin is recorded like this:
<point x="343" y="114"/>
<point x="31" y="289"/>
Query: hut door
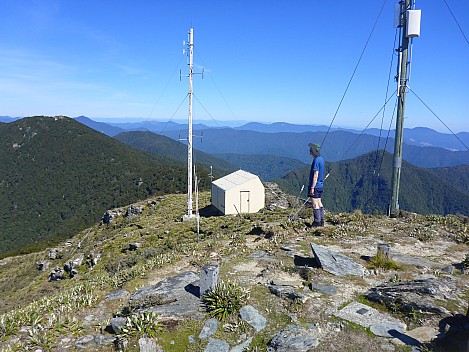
<point x="244" y="201"/>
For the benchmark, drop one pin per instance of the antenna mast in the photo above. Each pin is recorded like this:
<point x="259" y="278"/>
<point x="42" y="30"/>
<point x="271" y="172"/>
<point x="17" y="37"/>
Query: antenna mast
<point x="189" y="135"/>
<point x="409" y="22"/>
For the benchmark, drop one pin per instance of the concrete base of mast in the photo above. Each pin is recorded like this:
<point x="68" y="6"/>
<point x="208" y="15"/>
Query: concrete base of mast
<point x="188" y="217"/>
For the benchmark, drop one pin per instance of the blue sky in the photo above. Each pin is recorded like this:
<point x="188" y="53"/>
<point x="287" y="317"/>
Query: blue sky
<point x="264" y="61"/>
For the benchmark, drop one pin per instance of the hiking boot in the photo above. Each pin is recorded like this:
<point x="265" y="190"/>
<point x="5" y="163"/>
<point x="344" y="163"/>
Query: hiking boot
<point x="321" y="223"/>
<point x="316" y="224"/>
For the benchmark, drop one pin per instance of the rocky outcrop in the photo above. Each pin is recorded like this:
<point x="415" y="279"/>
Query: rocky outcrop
<point x="175" y="296"/>
<point x="414" y="295"/>
<point x="133" y="211"/>
<point x="110" y="215"/>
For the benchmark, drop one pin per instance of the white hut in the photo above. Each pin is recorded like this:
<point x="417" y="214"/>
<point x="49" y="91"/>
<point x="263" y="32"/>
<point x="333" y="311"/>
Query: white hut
<point x="238" y="192"/>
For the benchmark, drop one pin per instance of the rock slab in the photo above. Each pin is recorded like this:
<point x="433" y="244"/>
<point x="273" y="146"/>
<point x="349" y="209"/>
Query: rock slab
<point x="175" y="296"/>
<point x="366" y="316"/>
<point x="335" y="263"/>
<point x="210" y="327"/>
<point x="294" y="339"/>
<point x="252" y="316"/>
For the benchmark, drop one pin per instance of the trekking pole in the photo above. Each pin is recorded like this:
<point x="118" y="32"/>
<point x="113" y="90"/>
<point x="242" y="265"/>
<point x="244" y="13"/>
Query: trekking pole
<point x="291" y="218"/>
<point x="297" y="202"/>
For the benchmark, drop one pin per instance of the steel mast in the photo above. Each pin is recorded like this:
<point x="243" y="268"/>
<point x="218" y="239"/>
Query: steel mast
<point x="189" y="135"/>
<point x="409" y="21"/>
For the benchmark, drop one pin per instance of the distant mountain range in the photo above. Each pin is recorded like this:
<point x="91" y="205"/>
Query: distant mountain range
<point x="341" y="144"/>
<point x="177" y="151"/>
<point x="364" y="183"/>
<point x="418" y="136"/>
<point x="59" y="176"/>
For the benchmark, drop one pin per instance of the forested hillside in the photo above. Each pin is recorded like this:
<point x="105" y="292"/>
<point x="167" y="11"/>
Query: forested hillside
<point x="365" y="183"/>
<point x="267" y="167"/>
<point x="339" y="145"/>
<point x="58" y="176"/>
<point x="167" y="147"/>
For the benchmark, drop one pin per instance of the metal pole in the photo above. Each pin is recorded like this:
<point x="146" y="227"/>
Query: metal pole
<point x="401" y="92"/>
<point x="189" y="136"/>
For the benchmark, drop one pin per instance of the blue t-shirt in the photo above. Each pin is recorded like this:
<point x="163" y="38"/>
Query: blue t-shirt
<point x="317" y="165"/>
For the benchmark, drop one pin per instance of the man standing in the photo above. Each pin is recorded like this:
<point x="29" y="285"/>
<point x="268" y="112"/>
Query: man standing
<point x="316" y="184"/>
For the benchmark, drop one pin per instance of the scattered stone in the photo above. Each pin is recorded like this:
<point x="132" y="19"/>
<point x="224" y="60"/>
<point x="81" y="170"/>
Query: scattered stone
<point x="117" y="295"/>
<point x="366" y="316"/>
<point x="191" y="339"/>
<point x="252" y="316"/>
<point x="243" y="346"/>
<point x="104" y="340"/>
<point x="216" y="345"/>
<point x="117" y="324"/>
<point x="210" y="327"/>
<point x="134" y="246"/>
<point x="87" y="341"/>
<point x="335" y="263"/>
<point x="110" y="215"/>
<point x="57" y="274"/>
<point x="70" y="268"/>
<point x="147" y="344"/>
<point x="42" y="265"/>
<point x="448" y="269"/>
<point x="415" y="295"/>
<point x="133" y="211"/>
<point x="54" y="253"/>
<point x="5" y="261"/>
<point x="173" y="297"/>
<point x="208" y="278"/>
<point x="288" y="292"/>
<point x="327" y="289"/>
<point x="414" y="261"/>
<point x="286" y="282"/>
<point x="423" y="333"/>
<point x="92" y="259"/>
<point x="164" y="292"/>
<point x="294" y="339"/>
<point x="387" y="329"/>
<point x="290" y="247"/>
<point x="261" y="255"/>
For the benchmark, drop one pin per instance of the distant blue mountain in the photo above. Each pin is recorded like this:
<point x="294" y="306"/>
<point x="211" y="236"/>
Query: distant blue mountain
<point x="339" y="145"/>
<point x="99" y="126"/>
<point x="424" y="147"/>
<point x="418" y="136"/>
<point x="8" y="119"/>
<point x="426" y="137"/>
<point x="281" y="127"/>
<point x="156" y="126"/>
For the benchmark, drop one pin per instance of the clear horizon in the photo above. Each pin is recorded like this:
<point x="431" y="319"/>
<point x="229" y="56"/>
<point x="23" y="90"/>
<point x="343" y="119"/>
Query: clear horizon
<point x="264" y="62"/>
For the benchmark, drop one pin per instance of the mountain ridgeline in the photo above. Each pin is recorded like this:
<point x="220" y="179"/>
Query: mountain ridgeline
<point x="169" y="148"/>
<point x="424" y="147"/>
<point x="59" y="176"/>
<point x="364" y="183"/>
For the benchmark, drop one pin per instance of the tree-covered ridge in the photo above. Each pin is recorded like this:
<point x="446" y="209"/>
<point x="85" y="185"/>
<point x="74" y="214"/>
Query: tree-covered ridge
<point x="365" y="183"/>
<point x="167" y="147"/>
<point x="457" y="176"/>
<point x="267" y="167"/>
<point x="59" y="176"/>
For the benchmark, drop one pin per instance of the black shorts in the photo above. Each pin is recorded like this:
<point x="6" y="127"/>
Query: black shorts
<point x="317" y="193"/>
